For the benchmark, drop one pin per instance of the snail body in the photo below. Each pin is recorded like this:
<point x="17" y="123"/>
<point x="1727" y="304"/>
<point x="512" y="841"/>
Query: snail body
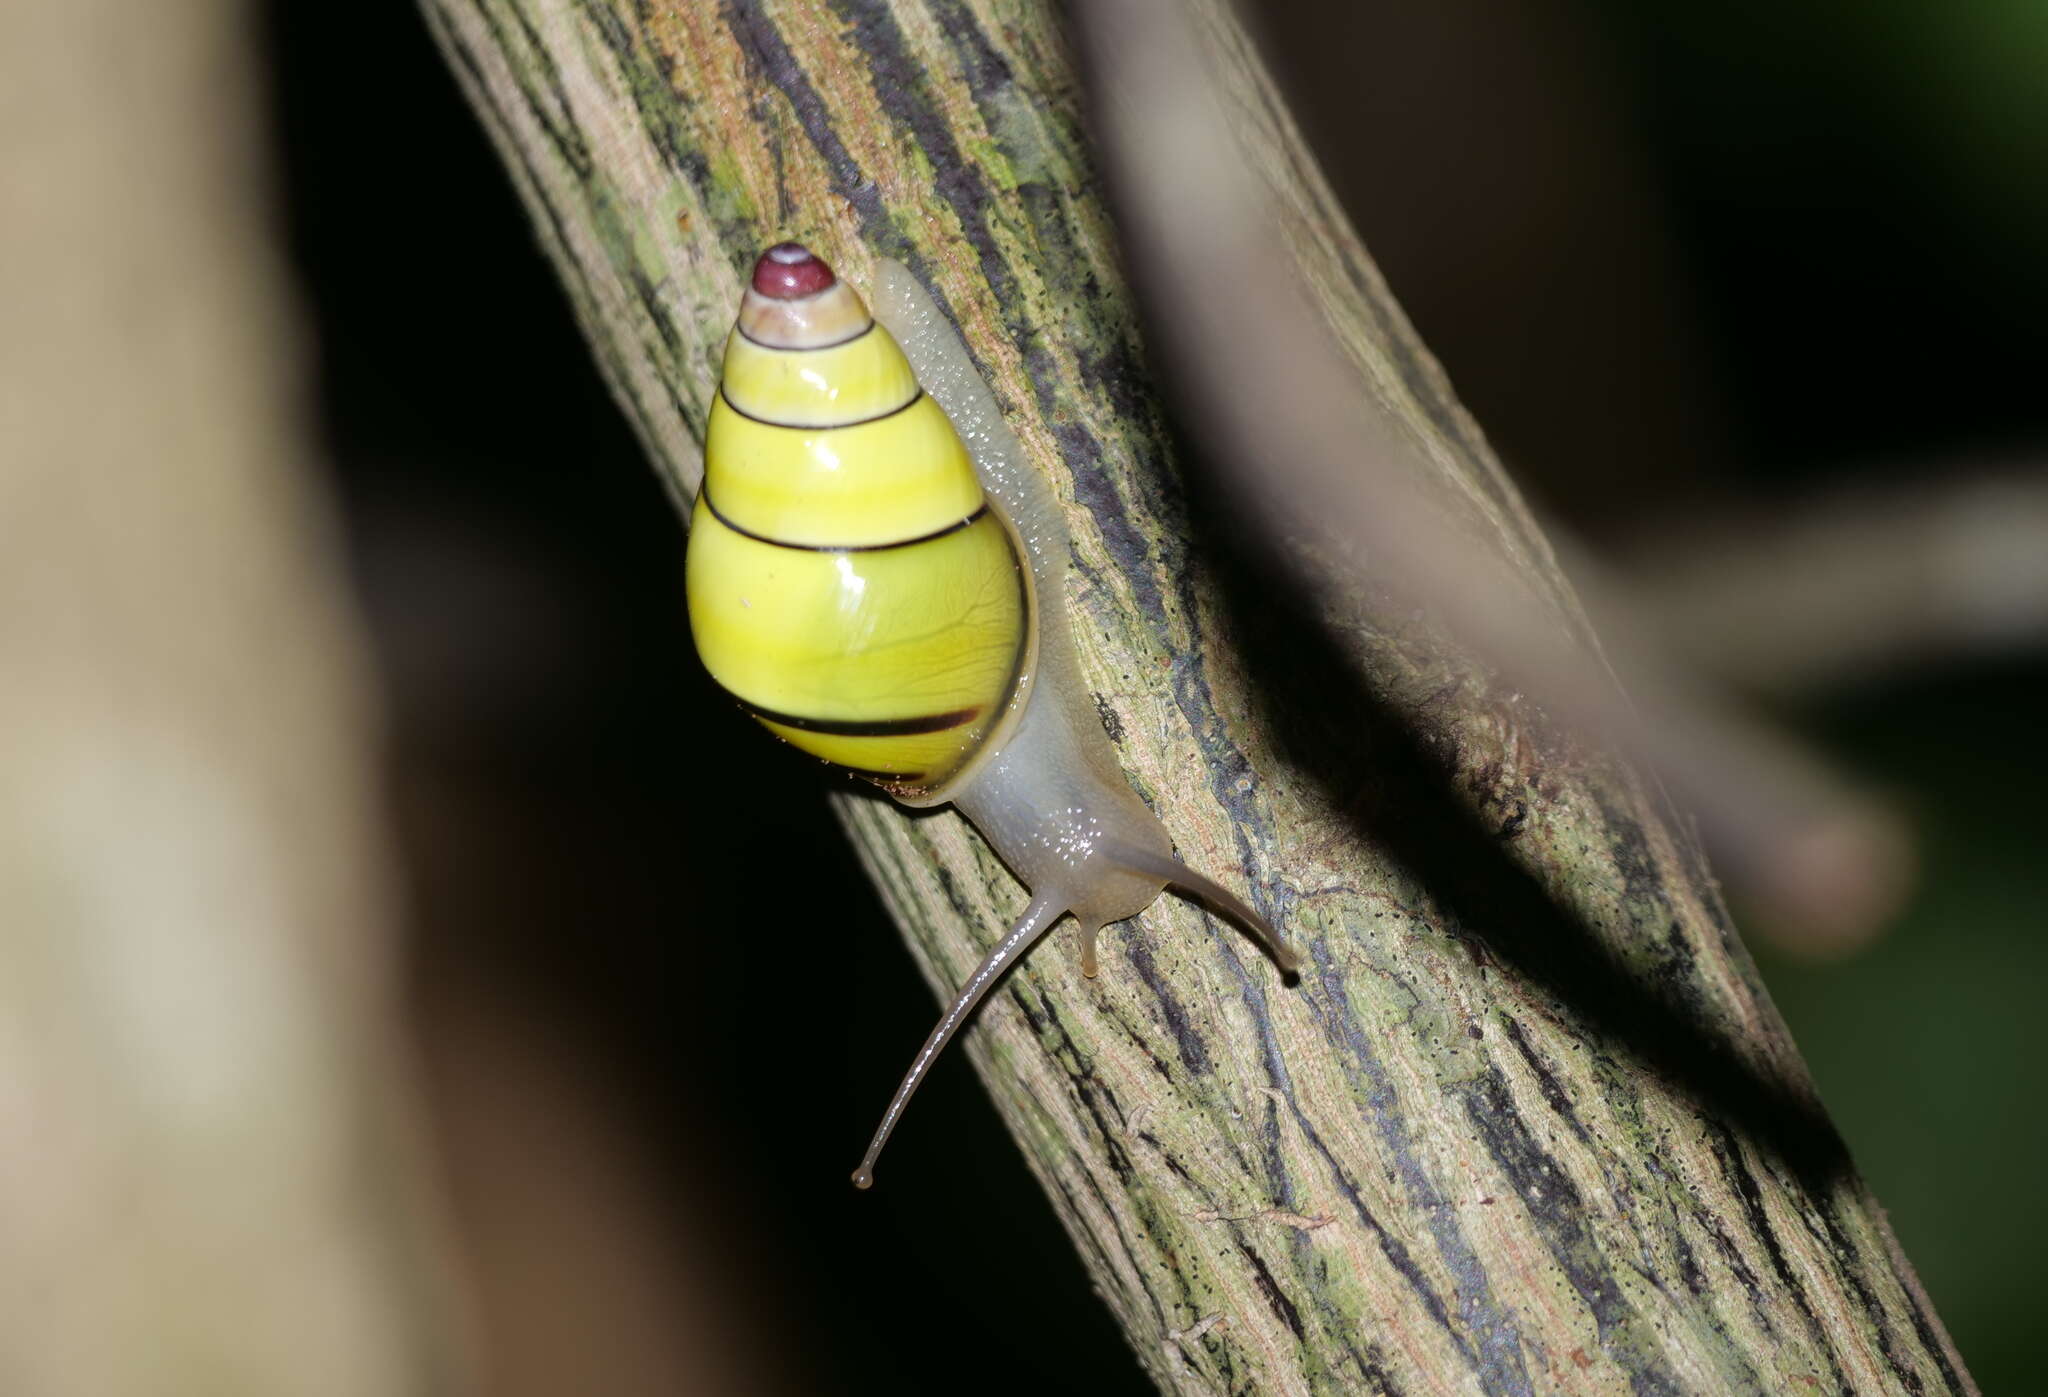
<point x="873" y="574"/>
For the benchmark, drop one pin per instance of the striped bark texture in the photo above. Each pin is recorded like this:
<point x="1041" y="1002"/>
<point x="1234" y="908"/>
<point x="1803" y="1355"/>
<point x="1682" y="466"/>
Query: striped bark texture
<point x="1529" y="1122"/>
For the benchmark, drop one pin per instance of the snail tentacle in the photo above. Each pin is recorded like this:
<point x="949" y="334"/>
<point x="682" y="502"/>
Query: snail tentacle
<point x="1178" y="875"/>
<point x="1038" y="919"/>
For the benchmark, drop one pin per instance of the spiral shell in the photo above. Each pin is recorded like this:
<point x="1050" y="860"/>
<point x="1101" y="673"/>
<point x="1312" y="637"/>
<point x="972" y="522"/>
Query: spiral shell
<point x="849" y="582"/>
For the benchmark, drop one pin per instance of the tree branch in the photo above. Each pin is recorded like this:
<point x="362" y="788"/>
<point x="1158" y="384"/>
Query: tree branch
<point x="1529" y="1121"/>
<point x="1855" y="582"/>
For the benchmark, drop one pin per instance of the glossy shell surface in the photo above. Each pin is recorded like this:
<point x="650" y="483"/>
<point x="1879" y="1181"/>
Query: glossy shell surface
<point x="848" y="581"/>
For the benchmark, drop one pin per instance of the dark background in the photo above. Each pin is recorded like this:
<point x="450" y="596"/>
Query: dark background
<point x="1674" y="255"/>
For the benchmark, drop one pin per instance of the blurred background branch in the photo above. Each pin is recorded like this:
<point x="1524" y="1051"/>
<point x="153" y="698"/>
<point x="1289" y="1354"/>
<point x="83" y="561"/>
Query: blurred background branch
<point x="213" y="1180"/>
<point x="1895" y="574"/>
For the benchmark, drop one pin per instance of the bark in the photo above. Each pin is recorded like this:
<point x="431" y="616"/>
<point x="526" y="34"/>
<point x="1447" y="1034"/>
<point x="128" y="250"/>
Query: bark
<point x="211" y="1183"/>
<point x="1529" y="1122"/>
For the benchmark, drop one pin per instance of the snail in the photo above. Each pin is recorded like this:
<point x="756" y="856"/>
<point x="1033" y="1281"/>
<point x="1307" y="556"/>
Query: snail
<point x="875" y="594"/>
